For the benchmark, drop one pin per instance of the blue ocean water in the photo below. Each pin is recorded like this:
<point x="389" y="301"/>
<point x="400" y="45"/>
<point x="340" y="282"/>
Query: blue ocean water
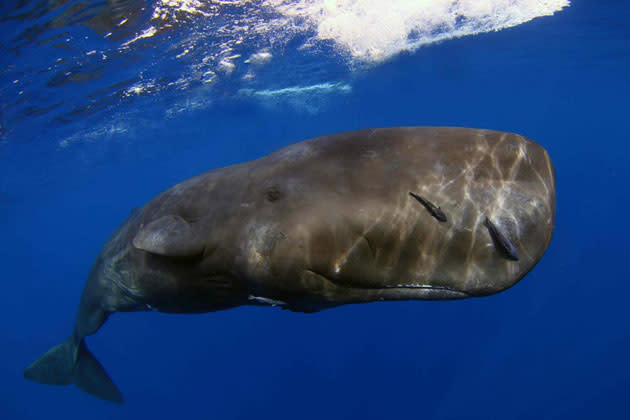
<point x="106" y="103"/>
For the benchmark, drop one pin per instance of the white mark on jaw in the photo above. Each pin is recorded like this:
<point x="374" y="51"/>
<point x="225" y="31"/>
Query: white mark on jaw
<point x="266" y="301"/>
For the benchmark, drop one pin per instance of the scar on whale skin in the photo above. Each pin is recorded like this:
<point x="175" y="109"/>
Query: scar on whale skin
<point x="500" y="241"/>
<point x="431" y="208"/>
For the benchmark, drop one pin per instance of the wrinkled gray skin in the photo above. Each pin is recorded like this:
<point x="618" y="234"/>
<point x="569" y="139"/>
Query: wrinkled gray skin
<point x="330" y="221"/>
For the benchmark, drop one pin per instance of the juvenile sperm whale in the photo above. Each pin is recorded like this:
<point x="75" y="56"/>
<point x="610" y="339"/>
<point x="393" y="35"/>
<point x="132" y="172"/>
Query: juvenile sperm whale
<point x="362" y="216"/>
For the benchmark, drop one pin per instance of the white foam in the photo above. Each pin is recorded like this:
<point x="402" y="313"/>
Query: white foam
<point x="170" y="8"/>
<point x="147" y="33"/>
<point x="226" y="66"/>
<point x="217" y="33"/>
<point x="374" y="30"/>
<point x="364" y="31"/>
<point x="299" y="90"/>
<point x="259" y="58"/>
<point x="303" y="98"/>
<point x="140" y="88"/>
<point x="102" y="132"/>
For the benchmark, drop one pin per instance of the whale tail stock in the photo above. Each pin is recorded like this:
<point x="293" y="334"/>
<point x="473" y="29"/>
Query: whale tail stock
<point x="72" y="362"/>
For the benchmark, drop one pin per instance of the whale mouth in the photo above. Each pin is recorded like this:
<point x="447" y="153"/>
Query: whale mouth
<point x="447" y="291"/>
<point x="411" y="291"/>
<point x="420" y="291"/>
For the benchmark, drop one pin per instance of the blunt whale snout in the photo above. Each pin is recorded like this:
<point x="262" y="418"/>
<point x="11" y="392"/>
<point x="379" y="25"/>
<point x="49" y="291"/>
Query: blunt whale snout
<point x="363" y="216"/>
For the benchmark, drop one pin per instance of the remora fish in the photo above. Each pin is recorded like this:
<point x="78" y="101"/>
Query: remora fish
<point x="322" y="223"/>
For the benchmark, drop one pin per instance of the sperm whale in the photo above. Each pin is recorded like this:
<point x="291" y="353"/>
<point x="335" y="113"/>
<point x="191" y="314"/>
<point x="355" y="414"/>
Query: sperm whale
<point x="362" y="216"/>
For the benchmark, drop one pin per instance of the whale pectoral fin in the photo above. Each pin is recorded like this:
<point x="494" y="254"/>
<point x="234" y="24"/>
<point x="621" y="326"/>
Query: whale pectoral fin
<point x="169" y="236"/>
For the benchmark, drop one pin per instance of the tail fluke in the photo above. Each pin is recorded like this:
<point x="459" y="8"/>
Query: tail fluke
<point x="69" y="363"/>
<point x="91" y="377"/>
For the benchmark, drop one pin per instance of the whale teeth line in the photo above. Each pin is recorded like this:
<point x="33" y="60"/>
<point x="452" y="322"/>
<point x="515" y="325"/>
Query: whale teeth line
<point x="425" y="286"/>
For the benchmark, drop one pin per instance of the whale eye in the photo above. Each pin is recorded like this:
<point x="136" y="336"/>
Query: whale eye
<point x="273" y="194"/>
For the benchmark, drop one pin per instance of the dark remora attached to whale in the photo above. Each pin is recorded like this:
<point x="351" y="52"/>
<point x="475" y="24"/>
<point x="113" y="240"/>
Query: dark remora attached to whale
<point x="362" y="216"/>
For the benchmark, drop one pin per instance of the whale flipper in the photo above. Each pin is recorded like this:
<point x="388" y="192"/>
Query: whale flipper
<point x="68" y="363"/>
<point x="169" y="236"/>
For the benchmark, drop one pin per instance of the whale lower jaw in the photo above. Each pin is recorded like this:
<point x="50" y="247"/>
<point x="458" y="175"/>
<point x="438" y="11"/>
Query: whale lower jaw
<point x="424" y="291"/>
<point x="348" y="293"/>
<point x="405" y="292"/>
<point x="335" y="294"/>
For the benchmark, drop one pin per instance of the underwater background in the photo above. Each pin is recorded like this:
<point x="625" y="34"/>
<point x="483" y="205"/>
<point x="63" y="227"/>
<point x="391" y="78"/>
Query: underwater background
<point x="104" y="104"/>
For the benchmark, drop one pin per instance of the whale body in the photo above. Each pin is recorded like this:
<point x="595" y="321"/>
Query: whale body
<point x="362" y="216"/>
